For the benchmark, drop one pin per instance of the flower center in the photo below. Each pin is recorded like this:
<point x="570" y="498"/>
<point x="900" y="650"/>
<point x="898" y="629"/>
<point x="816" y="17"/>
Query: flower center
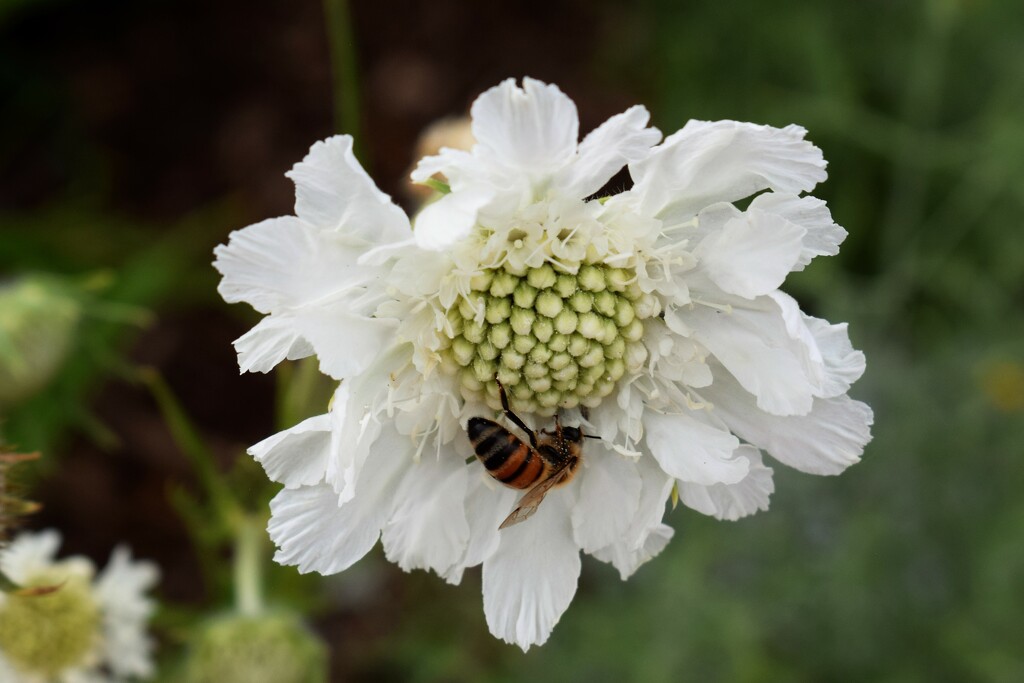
<point x="554" y="339"/>
<point x="45" y="634"/>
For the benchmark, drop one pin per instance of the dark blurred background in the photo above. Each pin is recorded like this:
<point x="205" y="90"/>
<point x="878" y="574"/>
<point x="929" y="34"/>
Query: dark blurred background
<point x="134" y="136"/>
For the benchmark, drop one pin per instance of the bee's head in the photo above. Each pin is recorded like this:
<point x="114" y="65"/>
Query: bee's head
<point x="572" y="434"/>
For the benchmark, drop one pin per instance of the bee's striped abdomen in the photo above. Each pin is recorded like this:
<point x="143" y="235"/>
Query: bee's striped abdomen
<point x="506" y="457"/>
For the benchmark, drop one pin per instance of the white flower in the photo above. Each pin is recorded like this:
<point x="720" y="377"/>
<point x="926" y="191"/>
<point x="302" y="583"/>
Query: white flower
<point x="90" y="630"/>
<point x="657" y="309"/>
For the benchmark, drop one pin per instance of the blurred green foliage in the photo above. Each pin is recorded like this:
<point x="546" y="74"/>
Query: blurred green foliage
<point x="909" y="567"/>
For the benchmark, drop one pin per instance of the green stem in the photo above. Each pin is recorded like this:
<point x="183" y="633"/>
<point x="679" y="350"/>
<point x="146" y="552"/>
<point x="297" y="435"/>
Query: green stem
<point x="249" y="567"/>
<point x="344" y="72"/>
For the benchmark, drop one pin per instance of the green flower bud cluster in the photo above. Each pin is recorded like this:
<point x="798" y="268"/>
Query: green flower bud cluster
<point x="43" y="634"/>
<point x="265" y="647"/>
<point x="553" y="339"/>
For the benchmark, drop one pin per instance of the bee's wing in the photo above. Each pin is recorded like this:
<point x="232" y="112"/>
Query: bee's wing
<point x="531" y="501"/>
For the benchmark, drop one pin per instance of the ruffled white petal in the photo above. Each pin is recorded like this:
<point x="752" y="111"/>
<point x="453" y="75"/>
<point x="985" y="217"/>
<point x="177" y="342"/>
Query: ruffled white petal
<point x="429" y="528"/>
<point x="313" y="532"/>
<point x="622" y="139"/>
<point x="752" y="342"/>
<point x="828" y="356"/>
<point x="442" y="224"/>
<point x="534" y="128"/>
<point x="487" y="504"/>
<point x="333" y="192"/>
<point x="747" y="253"/>
<point x="733" y="501"/>
<point x="691" y="450"/>
<point x="823" y="236"/>
<point x="627" y="559"/>
<point x="723" y="161"/>
<point x="609" y="496"/>
<point x="297" y="456"/>
<point x="826" y="440"/>
<point x="272" y="340"/>
<point x="531" y="578"/>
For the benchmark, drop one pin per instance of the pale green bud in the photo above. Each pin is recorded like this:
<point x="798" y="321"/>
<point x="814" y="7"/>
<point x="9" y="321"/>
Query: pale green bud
<point x="610" y="331"/>
<point x="522" y="320"/>
<point x="590" y="326"/>
<point x="469" y="306"/>
<point x="525" y="294"/>
<point x="592" y="357"/>
<point x="549" y="398"/>
<point x="498" y="310"/>
<point x="473" y="331"/>
<point x="542" y="277"/>
<point x="523" y="343"/>
<point x="486" y="350"/>
<point x="569" y="372"/>
<point x="624" y="313"/>
<point x="565" y="323"/>
<point x="578" y="345"/>
<point x="558" y="343"/>
<point x="463" y="351"/>
<point x="591" y="375"/>
<point x="549" y="304"/>
<point x="604" y="302"/>
<point x="503" y="284"/>
<point x="500" y="335"/>
<point x="509" y="377"/>
<point x="636" y="356"/>
<point x="617" y="279"/>
<point x="543" y="328"/>
<point x="481" y="282"/>
<point x="513" y="359"/>
<point x="591" y="278"/>
<point x="467" y="378"/>
<point x="616" y="349"/>
<point x="559" y="361"/>
<point x="541" y="354"/>
<point x="581" y="302"/>
<point x="614" y="369"/>
<point x="634" y="331"/>
<point x="540" y="384"/>
<point x="484" y="371"/>
<point x="534" y="370"/>
<point x="647" y="306"/>
<point x="565" y="285"/>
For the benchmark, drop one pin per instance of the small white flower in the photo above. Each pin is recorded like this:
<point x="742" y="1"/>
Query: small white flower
<point x="657" y="309"/>
<point x="90" y="629"/>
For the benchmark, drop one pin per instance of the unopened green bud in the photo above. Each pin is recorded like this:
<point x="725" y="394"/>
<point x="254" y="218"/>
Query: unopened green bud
<point x="522" y="320"/>
<point x="525" y="294"/>
<point x="535" y="370"/>
<point x="523" y="343"/>
<point x="565" y="323"/>
<point x="617" y="279"/>
<point x="592" y="357"/>
<point x="647" y="306"/>
<point x="614" y="369"/>
<point x="549" y="304"/>
<point x="624" y="313"/>
<point x="591" y="278"/>
<point x="604" y="302"/>
<point x="569" y="372"/>
<point x="565" y="285"/>
<point x="509" y="377"/>
<point x="542" y="277"/>
<point x="549" y="398"/>
<point x="578" y="345"/>
<point x="559" y="361"/>
<point x="634" y="331"/>
<point x="636" y="356"/>
<point x="473" y="331"/>
<point x="467" y="378"/>
<point x="500" y="335"/>
<point x="463" y="350"/>
<point x="558" y="343"/>
<point x="540" y="384"/>
<point x="503" y="284"/>
<point x="590" y="326"/>
<point x="541" y="354"/>
<point x="498" y="310"/>
<point x="484" y="371"/>
<point x="481" y="282"/>
<point x="543" y="328"/>
<point x="616" y="349"/>
<point x="513" y="359"/>
<point x="591" y="375"/>
<point x="581" y="302"/>
<point x="470" y="306"/>
<point x="486" y="350"/>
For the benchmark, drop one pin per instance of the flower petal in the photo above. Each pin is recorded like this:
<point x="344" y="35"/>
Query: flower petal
<point x="442" y="224"/>
<point x="823" y="236"/>
<point x="748" y="253"/>
<point x="534" y="128"/>
<point x="313" y="532"/>
<point x="691" y="450"/>
<point x="825" y="349"/>
<point x="487" y="505"/>
<point x="826" y="440"/>
<point x="333" y="192"/>
<point x="271" y="341"/>
<point x="627" y="559"/>
<point x="429" y="529"/>
<point x="733" y="501"/>
<point x="723" y="161"/>
<point x="531" y="578"/>
<point x="29" y="554"/>
<point x="608" y="499"/>
<point x="752" y="342"/>
<point x="121" y="589"/>
<point x="622" y="139"/>
<point x="297" y="456"/>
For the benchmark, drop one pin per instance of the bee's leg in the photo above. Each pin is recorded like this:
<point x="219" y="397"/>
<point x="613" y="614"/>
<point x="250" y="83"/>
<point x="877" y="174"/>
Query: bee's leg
<point x="512" y="416"/>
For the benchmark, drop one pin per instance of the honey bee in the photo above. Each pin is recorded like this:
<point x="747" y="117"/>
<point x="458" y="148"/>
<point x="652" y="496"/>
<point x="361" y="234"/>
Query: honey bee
<point x="549" y="460"/>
